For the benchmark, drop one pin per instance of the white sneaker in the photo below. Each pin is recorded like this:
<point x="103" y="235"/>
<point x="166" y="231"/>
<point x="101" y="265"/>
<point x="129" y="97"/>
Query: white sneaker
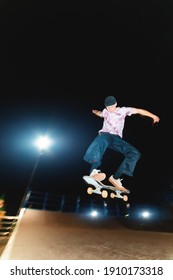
<point x="97" y="175"/>
<point x="94" y="172"/>
<point x="117" y="184"/>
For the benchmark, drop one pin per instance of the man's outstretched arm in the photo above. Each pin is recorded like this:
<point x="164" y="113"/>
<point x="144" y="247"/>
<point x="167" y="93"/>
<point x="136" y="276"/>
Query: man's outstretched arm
<point x="146" y="113"/>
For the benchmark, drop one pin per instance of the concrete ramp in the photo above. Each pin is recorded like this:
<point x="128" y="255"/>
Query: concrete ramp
<point x="48" y="235"/>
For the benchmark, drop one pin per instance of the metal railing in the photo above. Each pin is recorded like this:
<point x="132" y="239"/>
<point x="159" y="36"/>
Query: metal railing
<point x="7" y="224"/>
<point x="69" y="203"/>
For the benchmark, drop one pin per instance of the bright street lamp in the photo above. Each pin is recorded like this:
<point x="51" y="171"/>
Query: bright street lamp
<point x="43" y="143"/>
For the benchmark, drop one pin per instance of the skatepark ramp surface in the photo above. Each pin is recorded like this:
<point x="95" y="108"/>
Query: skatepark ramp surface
<point x="49" y="235"/>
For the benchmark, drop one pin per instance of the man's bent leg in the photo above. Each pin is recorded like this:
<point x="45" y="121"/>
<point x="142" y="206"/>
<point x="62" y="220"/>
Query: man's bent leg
<point x="95" y="153"/>
<point x="131" y="156"/>
<point x="128" y="165"/>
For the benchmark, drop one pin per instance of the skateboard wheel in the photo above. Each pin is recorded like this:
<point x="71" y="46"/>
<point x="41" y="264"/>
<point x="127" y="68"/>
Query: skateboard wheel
<point x="112" y="195"/>
<point x="104" y="194"/>
<point x="90" y="190"/>
<point x="125" y="197"/>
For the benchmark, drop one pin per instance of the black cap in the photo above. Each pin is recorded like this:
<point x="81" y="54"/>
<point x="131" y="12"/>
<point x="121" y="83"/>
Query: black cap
<point x="110" y="100"/>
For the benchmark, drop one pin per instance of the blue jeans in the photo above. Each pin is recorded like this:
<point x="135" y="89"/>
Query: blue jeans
<point x="103" y="141"/>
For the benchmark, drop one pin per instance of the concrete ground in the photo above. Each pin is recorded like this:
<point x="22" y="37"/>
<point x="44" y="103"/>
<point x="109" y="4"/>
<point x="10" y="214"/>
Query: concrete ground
<point x="48" y="235"/>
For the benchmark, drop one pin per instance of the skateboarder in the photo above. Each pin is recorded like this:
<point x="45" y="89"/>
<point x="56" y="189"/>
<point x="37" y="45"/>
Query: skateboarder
<point x="111" y="136"/>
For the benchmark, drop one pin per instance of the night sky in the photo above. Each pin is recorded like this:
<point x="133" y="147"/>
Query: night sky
<point x="60" y="61"/>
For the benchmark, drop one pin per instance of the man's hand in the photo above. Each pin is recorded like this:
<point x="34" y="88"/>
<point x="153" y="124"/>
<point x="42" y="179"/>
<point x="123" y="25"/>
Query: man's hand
<point x="97" y="113"/>
<point x="156" y="119"/>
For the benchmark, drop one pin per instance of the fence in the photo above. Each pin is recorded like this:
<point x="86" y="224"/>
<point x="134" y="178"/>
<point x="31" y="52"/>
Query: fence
<point x="75" y="204"/>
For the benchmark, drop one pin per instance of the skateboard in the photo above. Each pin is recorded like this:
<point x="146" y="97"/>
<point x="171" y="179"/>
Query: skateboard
<point x="104" y="190"/>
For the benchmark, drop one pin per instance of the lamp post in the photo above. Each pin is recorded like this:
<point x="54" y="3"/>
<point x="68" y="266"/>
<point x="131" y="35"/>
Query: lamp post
<point x="42" y="144"/>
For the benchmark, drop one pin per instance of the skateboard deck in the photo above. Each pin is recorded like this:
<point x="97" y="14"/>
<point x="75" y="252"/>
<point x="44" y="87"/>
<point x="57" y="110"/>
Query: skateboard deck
<point x="98" y="187"/>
